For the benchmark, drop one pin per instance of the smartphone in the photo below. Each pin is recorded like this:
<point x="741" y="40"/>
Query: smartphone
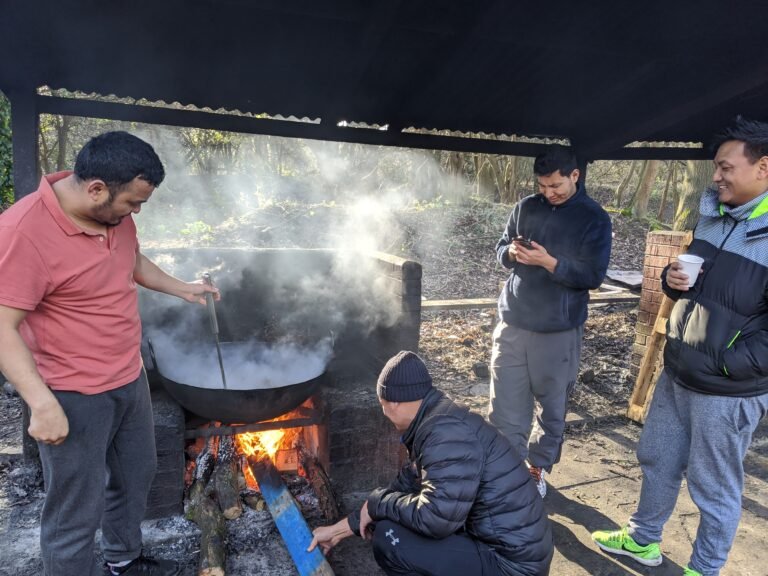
<point x="524" y="242"/>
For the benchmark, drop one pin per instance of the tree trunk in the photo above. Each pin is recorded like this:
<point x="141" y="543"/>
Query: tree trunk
<point x="671" y="171"/>
<point x="644" y="189"/>
<point x="454" y="163"/>
<point x="484" y="181"/>
<point x="510" y="178"/>
<point x="624" y="183"/>
<point x="62" y="134"/>
<point x="697" y="175"/>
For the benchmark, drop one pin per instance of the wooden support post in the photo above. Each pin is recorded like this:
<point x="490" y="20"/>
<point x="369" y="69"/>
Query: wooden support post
<point x="291" y="524"/>
<point x="24" y="126"/>
<point x="645" y="384"/>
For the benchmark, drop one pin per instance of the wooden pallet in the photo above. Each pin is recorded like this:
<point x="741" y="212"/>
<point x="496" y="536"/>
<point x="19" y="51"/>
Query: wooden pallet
<point x="651" y="365"/>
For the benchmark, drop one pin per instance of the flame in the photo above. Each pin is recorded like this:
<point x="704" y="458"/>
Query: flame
<point x="250" y="480"/>
<point x="260" y="443"/>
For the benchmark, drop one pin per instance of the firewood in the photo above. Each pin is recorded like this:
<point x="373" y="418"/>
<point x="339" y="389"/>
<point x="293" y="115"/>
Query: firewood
<point x="255" y="501"/>
<point x="201" y="509"/>
<point x="225" y="479"/>
<point x="213" y="537"/>
<point x="321" y="484"/>
<point x="204" y="465"/>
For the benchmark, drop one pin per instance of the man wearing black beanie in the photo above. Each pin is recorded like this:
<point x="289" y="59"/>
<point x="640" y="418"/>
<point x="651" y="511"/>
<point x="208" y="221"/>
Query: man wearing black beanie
<point x="463" y="504"/>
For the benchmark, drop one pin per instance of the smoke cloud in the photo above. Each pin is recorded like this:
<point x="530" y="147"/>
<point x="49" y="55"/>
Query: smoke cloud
<point x="281" y="307"/>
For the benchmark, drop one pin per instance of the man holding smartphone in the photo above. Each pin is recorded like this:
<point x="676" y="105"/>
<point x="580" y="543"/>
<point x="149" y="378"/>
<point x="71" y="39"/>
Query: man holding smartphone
<point x="557" y="244"/>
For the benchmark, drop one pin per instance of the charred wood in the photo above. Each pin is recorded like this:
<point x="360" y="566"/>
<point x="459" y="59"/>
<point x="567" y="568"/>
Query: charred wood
<point x="213" y="537"/>
<point x="204" y="511"/>
<point x="321" y="484"/>
<point x="225" y="479"/>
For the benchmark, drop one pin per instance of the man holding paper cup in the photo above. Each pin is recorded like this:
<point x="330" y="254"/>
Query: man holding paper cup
<point x="713" y="391"/>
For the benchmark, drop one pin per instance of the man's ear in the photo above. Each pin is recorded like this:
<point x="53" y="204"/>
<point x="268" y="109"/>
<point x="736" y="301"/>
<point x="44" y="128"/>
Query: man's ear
<point x="762" y="167"/>
<point x="575" y="175"/>
<point x="97" y="190"/>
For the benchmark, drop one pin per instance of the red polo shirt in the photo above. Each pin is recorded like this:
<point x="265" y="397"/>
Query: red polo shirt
<point x="83" y="324"/>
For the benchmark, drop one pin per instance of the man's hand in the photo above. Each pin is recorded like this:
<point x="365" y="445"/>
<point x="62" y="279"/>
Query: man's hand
<point x="48" y="423"/>
<point x="328" y="536"/>
<point x="365" y="521"/>
<point x="195" y="292"/>
<point x="536" y="256"/>
<point x="676" y="278"/>
<point x="512" y="252"/>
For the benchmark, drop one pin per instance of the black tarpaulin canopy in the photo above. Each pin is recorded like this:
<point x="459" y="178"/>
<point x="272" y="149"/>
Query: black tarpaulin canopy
<point x="600" y="73"/>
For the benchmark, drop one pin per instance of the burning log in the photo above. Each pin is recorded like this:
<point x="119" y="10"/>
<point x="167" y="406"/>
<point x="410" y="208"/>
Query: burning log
<point x="287" y="516"/>
<point x="203" y="511"/>
<point x="225" y="479"/>
<point x="255" y="501"/>
<point x="321" y="484"/>
<point x="204" y="465"/>
<point x="213" y="537"/>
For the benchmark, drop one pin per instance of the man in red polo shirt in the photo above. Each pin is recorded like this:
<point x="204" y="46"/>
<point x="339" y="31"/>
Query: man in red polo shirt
<point x="70" y="343"/>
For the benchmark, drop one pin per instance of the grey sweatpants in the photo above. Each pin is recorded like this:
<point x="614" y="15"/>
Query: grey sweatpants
<point x="102" y="472"/>
<point x="706" y="437"/>
<point x="528" y="366"/>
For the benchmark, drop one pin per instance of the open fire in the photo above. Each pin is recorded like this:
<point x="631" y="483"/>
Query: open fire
<point x="228" y="469"/>
<point x="255" y="446"/>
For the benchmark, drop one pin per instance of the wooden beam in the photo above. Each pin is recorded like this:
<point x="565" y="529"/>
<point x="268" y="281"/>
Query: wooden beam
<point x="645" y="384"/>
<point x="660" y="153"/>
<point x="289" y="129"/>
<point x="617" y="297"/>
<point x="291" y="524"/>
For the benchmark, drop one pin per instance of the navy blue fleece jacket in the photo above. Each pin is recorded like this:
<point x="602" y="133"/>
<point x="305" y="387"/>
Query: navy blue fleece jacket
<point x="578" y="234"/>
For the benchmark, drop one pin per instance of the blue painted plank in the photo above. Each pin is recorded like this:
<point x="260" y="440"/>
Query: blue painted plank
<point x="291" y="524"/>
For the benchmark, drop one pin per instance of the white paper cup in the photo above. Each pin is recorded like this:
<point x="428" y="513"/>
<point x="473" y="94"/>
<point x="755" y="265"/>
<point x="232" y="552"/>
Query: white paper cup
<point x="691" y="265"/>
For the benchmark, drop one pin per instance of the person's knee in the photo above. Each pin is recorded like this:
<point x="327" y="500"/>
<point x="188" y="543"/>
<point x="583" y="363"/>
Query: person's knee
<point x="649" y="451"/>
<point x="386" y="544"/>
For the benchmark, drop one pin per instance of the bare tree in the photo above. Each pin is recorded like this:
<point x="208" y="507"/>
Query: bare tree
<point x="624" y="183"/>
<point x="644" y="189"/>
<point x="697" y="175"/>
<point x="671" y="175"/>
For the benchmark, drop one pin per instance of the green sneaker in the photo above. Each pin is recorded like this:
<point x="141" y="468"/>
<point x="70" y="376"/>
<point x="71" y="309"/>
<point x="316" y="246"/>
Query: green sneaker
<point x="619" y="542"/>
<point x="691" y="572"/>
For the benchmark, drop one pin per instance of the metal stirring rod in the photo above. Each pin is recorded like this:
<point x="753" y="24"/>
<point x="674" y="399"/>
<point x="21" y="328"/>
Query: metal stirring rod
<point x="214" y="325"/>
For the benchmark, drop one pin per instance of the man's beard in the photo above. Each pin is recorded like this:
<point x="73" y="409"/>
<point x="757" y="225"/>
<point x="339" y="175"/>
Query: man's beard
<point x="104" y="210"/>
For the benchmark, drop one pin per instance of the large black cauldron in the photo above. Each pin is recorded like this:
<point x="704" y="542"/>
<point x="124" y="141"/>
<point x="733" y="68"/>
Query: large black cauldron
<point x="266" y="400"/>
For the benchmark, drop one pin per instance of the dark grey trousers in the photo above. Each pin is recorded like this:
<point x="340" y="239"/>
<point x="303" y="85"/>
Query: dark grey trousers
<point x="705" y="437"/>
<point x="102" y="472"/>
<point x="533" y="366"/>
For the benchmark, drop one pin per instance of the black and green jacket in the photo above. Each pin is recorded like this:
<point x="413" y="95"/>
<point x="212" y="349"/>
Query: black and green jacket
<point x="717" y="334"/>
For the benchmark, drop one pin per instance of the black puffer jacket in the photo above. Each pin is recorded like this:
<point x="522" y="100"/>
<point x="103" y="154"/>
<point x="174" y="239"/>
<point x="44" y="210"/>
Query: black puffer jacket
<point x="717" y="335"/>
<point x="464" y="474"/>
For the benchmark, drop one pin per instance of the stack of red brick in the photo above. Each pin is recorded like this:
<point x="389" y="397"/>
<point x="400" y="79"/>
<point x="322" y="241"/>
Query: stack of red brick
<point x="660" y="249"/>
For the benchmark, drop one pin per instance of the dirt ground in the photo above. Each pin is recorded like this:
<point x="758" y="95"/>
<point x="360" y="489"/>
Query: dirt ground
<point x="596" y="484"/>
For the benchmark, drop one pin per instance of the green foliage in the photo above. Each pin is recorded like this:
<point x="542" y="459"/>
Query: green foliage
<point x="654" y="224"/>
<point x="436" y="202"/>
<point x="198" y="232"/>
<point x="6" y="154"/>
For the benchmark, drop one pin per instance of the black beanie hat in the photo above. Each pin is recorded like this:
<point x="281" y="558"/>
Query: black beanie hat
<point x="404" y="378"/>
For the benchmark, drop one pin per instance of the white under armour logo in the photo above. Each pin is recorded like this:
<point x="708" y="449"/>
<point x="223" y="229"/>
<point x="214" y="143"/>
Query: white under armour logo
<point x="391" y="535"/>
